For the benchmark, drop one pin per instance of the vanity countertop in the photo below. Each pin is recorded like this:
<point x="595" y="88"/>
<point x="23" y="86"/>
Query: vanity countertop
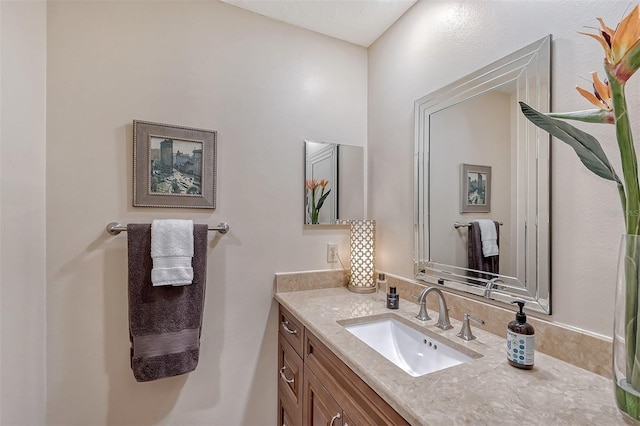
<point x="484" y="391"/>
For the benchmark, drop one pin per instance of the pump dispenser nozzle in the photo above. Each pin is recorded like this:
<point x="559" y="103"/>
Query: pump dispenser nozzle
<point x="521" y="317"/>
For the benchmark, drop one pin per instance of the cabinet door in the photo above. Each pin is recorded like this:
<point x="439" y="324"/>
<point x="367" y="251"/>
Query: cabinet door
<point x="287" y="417"/>
<point x="319" y="408"/>
<point x="346" y="420"/>
<point x="290" y="380"/>
<point x="362" y="404"/>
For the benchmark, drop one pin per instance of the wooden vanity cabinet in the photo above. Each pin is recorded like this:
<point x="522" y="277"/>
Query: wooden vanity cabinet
<point x="284" y="418"/>
<point x="358" y="403"/>
<point x="315" y="388"/>
<point x="290" y="384"/>
<point x="290" y="370"/>
<point x="319" y="407"/>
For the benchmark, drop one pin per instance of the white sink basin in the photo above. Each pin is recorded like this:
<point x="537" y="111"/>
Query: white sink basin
<point x="416" y="352"/>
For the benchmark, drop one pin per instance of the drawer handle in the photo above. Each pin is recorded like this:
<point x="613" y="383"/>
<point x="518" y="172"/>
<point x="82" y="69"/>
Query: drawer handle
<point x="285" y="377"/>
<point x="285" y="325"/>
<point x="334" y="418"/>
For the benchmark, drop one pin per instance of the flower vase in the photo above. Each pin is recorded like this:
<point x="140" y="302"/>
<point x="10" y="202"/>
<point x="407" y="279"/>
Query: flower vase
<point x="626" y="333"/>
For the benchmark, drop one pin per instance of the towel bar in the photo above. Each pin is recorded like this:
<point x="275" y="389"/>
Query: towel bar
<point x="114" y="228"/>
<point x="465" y="225"/>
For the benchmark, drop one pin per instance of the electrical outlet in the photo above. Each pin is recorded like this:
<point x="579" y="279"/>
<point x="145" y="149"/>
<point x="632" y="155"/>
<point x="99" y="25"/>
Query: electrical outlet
<point x="332" y="253"/>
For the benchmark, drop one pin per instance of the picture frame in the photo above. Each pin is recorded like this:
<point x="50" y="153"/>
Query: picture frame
<point x="475" y="188"/>
<point x="173" y="166"/>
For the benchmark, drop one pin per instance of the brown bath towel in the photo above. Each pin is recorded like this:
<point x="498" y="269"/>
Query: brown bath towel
<point x="475" y="257"/>
<point x="164" y="322"/>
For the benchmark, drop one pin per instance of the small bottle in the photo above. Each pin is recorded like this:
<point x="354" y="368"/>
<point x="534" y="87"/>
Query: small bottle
<point x="382" y="282"/>
<point x="393" y="301"/>
<point x="520" y="340"/>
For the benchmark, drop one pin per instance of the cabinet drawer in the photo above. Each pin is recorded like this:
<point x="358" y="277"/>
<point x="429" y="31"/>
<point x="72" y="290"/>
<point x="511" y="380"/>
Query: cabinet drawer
<point x="362" y="403"/>
<point x="292" y="330"/>
<point x="290" y="370"/>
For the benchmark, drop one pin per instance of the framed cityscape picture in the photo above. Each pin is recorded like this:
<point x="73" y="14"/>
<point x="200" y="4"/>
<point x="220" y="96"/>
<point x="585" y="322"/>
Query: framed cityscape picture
<point x="475" y="189"/>
<point x="173" y="166"/>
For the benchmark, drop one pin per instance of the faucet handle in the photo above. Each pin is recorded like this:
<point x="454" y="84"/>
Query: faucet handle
<point x="465" y="331"/>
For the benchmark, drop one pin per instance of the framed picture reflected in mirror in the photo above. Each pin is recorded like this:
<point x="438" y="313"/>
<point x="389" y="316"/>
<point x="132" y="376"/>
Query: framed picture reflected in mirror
<point x="475" y="188"/>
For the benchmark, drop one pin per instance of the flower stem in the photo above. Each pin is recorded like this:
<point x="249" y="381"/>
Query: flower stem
<point x="623" y="202"/>
<point x="631" y="206"/>
<point x="314" y="211"/>
<point x="627" y="155"/>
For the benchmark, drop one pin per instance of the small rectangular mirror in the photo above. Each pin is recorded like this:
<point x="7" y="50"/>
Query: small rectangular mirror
<point x="334" y="182"/>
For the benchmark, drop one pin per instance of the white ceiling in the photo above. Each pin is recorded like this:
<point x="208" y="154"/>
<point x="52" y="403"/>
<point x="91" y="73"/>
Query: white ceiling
<point x="357" y="21"/>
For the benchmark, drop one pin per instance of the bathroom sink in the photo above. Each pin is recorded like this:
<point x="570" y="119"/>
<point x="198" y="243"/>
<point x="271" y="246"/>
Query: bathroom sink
<point x="414" y="351"/>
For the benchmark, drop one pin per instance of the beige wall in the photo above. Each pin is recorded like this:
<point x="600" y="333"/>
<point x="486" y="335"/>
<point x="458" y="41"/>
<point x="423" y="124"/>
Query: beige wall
<point x="436" y="43"/>
<point x="265" y="87"/>
<point x="22" y="212"/>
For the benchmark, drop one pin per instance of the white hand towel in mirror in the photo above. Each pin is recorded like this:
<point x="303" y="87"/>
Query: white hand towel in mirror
<point x="489" y="237"/>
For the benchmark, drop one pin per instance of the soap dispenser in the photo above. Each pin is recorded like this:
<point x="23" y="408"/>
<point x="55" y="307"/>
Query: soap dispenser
<point x="520" y="340"/>
<point x="392" y="298"/>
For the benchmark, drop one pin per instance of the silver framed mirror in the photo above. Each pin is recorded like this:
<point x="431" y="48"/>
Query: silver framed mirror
<point x="476" y="121"/>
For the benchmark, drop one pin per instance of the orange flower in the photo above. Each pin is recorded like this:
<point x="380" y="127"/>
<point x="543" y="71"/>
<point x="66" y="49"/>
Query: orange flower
<point x="601" y="97"/>
<point x="621" y="46"/>
<point x="311" y="184"/>
<point x="324" y="183"/>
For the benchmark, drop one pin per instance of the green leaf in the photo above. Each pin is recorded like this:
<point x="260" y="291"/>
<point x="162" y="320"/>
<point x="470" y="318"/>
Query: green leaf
<point x="599" y="116"/>
<point x="586" y="146"/>
<point x="321" y="200"/>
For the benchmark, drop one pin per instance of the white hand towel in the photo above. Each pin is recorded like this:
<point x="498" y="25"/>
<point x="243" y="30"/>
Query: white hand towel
<point x="489" y="237"/>
<point x="172" y="252"/>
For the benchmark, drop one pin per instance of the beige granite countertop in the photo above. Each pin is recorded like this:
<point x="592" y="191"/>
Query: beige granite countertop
<point x="484" y="391"/>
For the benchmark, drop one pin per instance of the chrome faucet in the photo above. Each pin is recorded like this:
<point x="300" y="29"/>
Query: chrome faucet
<point x="443" y="314"/>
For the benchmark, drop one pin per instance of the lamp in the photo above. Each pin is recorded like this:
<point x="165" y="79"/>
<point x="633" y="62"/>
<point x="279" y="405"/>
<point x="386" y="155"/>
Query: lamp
<point x="363" y="235"/>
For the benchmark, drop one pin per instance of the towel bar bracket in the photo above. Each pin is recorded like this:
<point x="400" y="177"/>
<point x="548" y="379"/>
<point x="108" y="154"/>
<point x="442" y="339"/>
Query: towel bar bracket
<point x="114" y="228"/>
